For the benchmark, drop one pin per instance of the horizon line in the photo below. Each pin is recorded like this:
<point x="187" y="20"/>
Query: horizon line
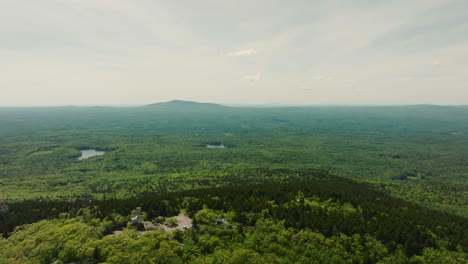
<point x="260" y="105"/>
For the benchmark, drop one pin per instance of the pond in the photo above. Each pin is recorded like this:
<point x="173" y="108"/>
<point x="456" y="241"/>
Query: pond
<point x="88" y="153"/>
<point x="215" y="146"/>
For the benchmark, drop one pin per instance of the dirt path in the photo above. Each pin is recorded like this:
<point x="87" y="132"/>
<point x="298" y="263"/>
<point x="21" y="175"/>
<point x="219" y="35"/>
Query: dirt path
<point x="183" y="222"/>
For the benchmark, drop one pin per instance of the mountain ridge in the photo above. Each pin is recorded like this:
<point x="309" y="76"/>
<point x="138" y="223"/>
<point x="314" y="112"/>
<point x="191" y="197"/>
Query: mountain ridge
<point x="183" y="103"/>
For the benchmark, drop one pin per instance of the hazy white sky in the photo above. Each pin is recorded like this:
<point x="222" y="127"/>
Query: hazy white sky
<point x="101" y="52"/>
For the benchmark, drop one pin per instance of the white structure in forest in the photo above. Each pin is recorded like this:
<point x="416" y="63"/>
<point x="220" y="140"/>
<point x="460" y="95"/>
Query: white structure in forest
<point x="137" y="218"/>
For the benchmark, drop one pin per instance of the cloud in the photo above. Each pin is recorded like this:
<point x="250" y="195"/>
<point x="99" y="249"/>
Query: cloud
<point x="253" y="78"/>
<point x="360" y="90"/>
<point x="321" y="78"/>
<point x="318" y="77"/>
<point x="239" y="53"/>
<point x="48" y="50"/>
<point x="308" y="89"/>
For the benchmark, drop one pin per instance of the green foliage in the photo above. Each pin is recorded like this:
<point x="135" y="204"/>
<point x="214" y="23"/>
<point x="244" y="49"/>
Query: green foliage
<point x="267" y="242"/>
<point x="46" y="241"/>
<point x="172" y="222"/>
<point x="293" y="212"/>
<point x="266" y="223"/>
<point x="206" y="216"/>
<point x="148" y="168"/>
<point x="414" y="152"/>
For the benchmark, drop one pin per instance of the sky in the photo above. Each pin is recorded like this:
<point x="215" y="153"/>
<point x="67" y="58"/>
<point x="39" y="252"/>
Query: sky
<point x="123" y="52"/>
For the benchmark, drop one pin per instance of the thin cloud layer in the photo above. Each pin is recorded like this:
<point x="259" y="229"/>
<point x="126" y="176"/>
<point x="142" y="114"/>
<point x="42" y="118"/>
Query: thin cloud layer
<point x="239" y="53"/>
<point x="253" y="78"/>
<point x="138" y="52"/>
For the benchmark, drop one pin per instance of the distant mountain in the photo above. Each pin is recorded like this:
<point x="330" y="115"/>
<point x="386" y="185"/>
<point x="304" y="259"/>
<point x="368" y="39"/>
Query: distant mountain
<point x="184" y="104"/>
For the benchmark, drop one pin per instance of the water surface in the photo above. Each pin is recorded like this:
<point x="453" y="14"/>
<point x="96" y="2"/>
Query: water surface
<point x="88" y="153"/>
<point x="215" y="146"/>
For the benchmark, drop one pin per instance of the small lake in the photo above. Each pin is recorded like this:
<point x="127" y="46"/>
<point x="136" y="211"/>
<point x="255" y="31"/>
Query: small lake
<point x="88" y="153"/>
<point x="215" y="146"/>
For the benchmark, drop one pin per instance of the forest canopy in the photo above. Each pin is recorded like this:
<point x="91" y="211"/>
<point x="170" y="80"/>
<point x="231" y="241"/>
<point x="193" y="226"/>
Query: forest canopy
<point x="302" y="184"/>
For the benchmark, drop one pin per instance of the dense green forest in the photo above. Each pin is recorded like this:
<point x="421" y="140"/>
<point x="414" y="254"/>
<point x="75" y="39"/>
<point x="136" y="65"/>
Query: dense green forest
<point x="312" y="217"/>
<point x="415" y="152"/>
<point x="296" y="184"/>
